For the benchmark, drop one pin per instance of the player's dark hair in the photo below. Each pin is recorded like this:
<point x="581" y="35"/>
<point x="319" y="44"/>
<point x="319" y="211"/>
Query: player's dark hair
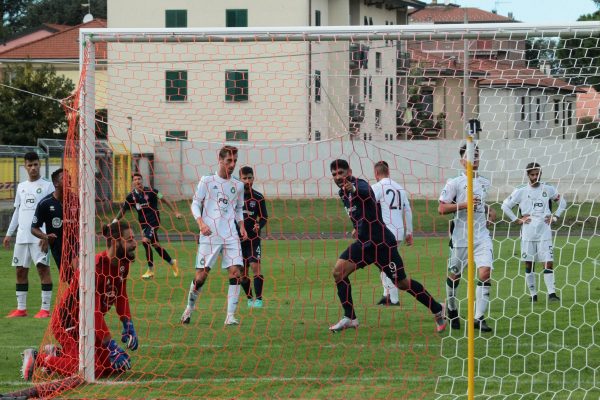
<point x="463" y="150"/>
<point x="339" y="163"/>
<point x="136" y="174"/>
<point x="532" y="165"/>
<point x="114" y="231"/>
<point x="31" y="156"/>
<point x="246" y="170"/>
<point x="382" y="167"/>
<point x="227" y="150"/>
<point x="55" y="175"/>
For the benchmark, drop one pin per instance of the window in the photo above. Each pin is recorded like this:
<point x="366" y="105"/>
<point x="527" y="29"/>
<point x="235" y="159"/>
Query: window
<point x="378" y="61"/>
<point x="370" y="20"/>
<point x="317" y="135"/>
<point x="366" y="20"/>
<point x="387" y="89"/>
<point x="236" y="136"/>
<point x="391" y="89"/>
<point x="317" y="86"/>
<point x="175" y="18"/>
<point x="556" y="112"/>
<point x="365" y="88"/>
<point x="176" y="85"/>
<point x="173" y="136"/>
<point x="317" y="18"/>
<point x="523" y="111"/>
<point x="569" y="113"/>
<point x="236" y="18"/>
<point x="101" y="124"/>
<point x="538" y="109"/>
<point x="370" y="89"/>
<point x="236" y="85"/>
<point x="378" y="119"/>
<point x="367" y="136"/>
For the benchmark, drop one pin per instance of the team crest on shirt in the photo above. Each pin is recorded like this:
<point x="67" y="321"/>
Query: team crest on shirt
<point x="544" y="194"/>
<point x="56" y="222"/>
<point x="34" y="220"/>
<point x="232" y="189"/>
<point x="252" y="203"/>
<point x="39" y="190"/>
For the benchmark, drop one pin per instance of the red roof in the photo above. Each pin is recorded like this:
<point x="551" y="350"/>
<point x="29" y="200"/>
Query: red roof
<point x="454" y="14"/>
<point x="60" y="45"/>
<point x="489" y="72"/>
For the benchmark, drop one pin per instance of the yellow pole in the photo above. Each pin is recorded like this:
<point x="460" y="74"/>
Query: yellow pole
<point x="471" y="269"/>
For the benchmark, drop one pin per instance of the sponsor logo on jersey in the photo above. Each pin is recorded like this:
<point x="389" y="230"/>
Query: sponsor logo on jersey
<point x="51" y="208"/>
<point x="16" y="260"/>
<point x="29" y="201"/>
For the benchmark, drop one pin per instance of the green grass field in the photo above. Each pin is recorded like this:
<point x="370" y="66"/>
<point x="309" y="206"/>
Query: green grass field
<point x="286" y="351"/>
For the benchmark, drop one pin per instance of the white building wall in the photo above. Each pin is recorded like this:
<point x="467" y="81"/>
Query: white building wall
<point x="302" y="170"/>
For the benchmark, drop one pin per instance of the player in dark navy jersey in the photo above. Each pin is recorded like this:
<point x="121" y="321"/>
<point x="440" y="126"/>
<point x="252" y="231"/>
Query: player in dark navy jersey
<point x="145" y="201"/>
<point x="375" y="244"/>
<point x="49" y="213"/>
<point x="255" y="218"/>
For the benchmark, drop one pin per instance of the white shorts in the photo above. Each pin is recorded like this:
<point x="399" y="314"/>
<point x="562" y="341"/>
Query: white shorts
<point x="27" y="253"/>
<point x="208" y="253"/>
<point x="483" y="255"/>
<point x="538" y="251"/>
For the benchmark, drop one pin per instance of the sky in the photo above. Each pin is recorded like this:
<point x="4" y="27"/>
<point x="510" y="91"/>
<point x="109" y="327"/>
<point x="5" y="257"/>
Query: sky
<point x="534" y="11"/>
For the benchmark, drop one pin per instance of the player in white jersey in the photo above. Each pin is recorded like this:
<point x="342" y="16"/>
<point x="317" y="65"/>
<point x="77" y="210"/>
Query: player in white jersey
<point x="27" y="247"/>
<point x="397" y="216"/>
<point x="217" y="206"/>
<point x="453" y="200"/>
<point x="535" y="206"/>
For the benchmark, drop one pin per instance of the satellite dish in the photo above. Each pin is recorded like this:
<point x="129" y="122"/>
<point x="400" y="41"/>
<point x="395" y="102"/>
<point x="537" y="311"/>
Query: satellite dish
<point x="88" y="18"/>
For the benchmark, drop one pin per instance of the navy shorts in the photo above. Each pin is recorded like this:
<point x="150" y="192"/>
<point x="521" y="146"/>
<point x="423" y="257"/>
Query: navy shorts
<point x="384" y="255"/>
<point x="150" y="233"/>
<point x="251" y="251"/>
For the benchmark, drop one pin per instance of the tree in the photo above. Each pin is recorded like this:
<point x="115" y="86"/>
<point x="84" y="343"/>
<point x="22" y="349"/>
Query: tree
<point x="67" y="12"/>
<point x="540" y="51"/>
<point x="25" y="115"/>
<point x="579" y="56"/>
<point x="12" y="12"/>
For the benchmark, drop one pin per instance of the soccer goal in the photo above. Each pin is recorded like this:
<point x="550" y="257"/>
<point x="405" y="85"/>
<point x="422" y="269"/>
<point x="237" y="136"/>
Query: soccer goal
<point x="162" y="103"/>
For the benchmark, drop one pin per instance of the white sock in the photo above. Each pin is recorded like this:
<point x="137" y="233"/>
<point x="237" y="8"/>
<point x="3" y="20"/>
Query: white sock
<point x="530" y="282"/>
<point x="451" y="297"/>
<point x="384" y="277"/>
<point x="233" y="294"/>
<point x="21" y="300"/>
<point x="193" y="295"/>
<point x="46" y="299"/>
<point x="482" y="299"/>
<point x="394" y="294"/>
<point x="549" y="279"/>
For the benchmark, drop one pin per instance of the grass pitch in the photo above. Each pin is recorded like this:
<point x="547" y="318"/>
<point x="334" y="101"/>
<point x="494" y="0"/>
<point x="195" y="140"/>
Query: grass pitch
<point x="544" y="350"/>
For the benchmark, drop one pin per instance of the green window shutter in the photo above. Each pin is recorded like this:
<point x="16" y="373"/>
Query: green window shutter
<point x="176" y="136"/>
<point x="236" y="136"/>
<point x="317" y="18"/>
<point x="176" y="18"/>
<point x="176" y="85"/>
<point x="317" y="86"/>
<point x="236" y="85"/>
<point x="236" y="18"/>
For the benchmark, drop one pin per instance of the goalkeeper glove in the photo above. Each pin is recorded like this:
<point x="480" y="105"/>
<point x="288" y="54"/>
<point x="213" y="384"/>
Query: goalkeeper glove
<point x="119" y="360"/>
<point x="128" y="335"/>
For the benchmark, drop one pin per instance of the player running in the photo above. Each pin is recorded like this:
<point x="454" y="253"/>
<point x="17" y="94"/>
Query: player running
<point x="374" y="244"/>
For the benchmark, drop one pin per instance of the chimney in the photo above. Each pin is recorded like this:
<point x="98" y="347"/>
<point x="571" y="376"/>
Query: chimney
<point x="433" y="2"/>
<point x="510" y="15"/>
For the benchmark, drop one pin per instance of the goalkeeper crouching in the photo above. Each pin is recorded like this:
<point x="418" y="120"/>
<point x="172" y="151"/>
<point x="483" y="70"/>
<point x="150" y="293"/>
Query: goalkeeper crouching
<point x="112" y="270"/>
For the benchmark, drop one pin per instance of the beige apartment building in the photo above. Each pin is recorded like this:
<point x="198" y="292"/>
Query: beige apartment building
<point x="275" y="91"/>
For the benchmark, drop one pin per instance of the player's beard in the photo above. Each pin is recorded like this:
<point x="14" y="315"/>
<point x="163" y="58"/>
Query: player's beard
<point x="124" y="254"/>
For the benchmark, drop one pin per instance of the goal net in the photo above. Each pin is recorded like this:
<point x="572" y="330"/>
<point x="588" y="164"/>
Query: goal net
<point x="162" y="104"/>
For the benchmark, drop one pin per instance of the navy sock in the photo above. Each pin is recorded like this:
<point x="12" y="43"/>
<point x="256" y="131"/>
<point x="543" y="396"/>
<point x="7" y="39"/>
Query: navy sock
<point x="344" y="289"/>
<point x="258" y="285"/>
